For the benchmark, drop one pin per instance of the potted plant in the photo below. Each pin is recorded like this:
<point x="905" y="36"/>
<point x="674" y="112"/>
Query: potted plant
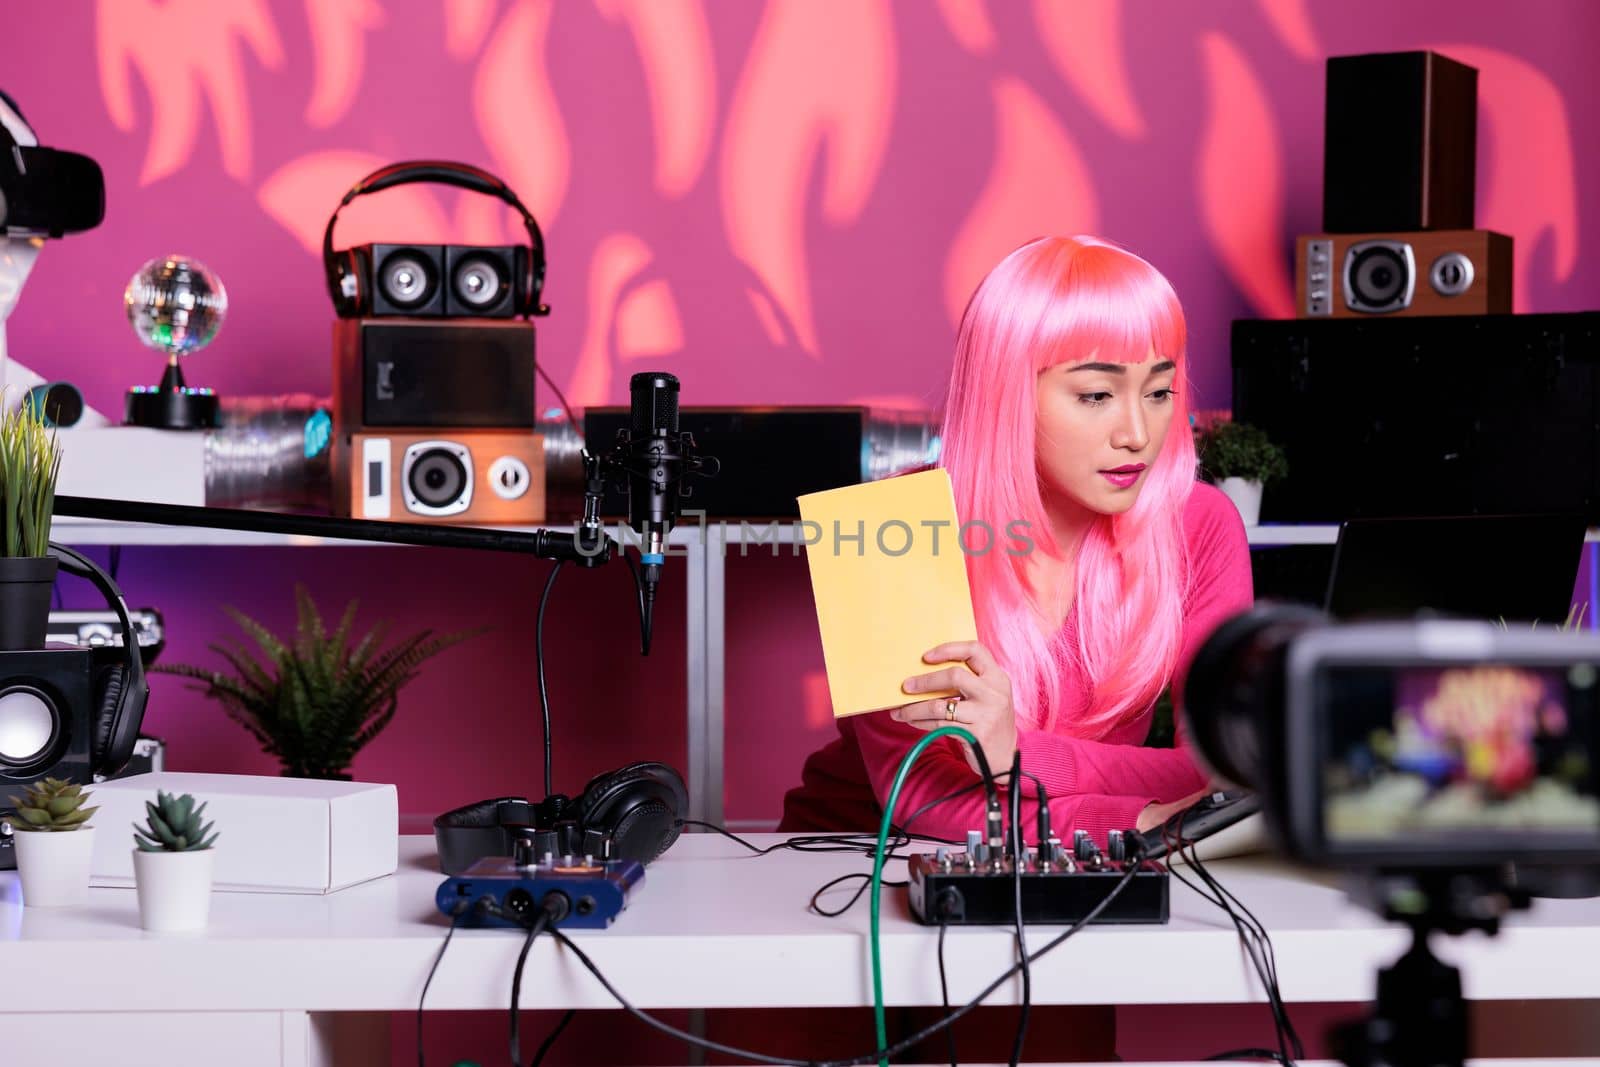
<point x="54" y="843"/>
<point x="315" y="700"/>
<point x="172" y="867"/>
<point x="30" y="459"/>
<point x="1241" y="460"/>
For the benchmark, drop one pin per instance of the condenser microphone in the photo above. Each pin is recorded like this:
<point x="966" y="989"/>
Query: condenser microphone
<point x="655" y="469"/>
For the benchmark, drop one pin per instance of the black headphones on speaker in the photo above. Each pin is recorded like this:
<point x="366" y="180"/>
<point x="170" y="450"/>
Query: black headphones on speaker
<point x="630" y="814"/>
<point x="351" y="273"/>
<point x="120" y="688"/>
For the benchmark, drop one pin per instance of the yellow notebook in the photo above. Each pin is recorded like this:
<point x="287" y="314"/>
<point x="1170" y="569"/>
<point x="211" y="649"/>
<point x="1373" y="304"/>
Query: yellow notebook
<point x="888" y="595"/>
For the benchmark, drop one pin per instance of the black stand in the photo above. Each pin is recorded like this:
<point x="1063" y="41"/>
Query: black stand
<point x="172" y="405"/>
<point x="1420" y="1018"/>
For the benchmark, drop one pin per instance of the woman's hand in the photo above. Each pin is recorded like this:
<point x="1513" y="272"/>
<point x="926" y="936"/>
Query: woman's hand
<point x="1154" y="815"/>
<point x="983" y="705"/>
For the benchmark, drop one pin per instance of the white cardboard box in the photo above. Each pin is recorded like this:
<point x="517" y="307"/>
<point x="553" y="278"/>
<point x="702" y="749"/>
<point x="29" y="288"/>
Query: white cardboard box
<point x="277" y="835"/>
<point x="133" y="463"/>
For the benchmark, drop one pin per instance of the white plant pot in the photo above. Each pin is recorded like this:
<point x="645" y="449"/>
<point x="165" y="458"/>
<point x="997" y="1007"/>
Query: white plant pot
<point x="174" y="888"/>
<point x="1246" y="496"/>
<point x="54" y="867"/>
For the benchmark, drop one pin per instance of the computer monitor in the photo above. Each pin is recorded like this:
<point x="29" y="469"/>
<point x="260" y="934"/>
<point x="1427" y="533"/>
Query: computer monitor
<point x="1512" y="567"/>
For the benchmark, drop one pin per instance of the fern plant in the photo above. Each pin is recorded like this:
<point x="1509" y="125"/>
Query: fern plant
<point x="172" y="824"/>
<point x="314" y="701"/>
<point x="30" y="460"/>
<point x="51" y="806"/>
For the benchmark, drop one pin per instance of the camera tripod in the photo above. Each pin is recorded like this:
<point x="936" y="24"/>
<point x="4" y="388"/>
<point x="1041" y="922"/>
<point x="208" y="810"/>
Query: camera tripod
<point x="1420" y="1018"/>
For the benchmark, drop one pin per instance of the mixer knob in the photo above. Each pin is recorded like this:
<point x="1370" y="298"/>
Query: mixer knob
<point x="1115" y="847"/>
<point x="1082" y="844"/>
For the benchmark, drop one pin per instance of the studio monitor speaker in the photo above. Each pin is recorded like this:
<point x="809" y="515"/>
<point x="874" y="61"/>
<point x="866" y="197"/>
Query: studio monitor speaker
<point x="1448" y="272"/>
<point x="403" y="373"/>
<point x="465" y="477"/>
<point x="1400" y="143"/>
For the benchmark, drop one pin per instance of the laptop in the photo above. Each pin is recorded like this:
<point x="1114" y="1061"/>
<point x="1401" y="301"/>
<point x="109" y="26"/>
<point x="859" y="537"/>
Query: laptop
<point x="1497" y="567"/>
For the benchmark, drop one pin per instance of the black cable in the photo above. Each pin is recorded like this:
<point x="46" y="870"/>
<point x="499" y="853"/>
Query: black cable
<point x="538" y="657"/>
<point x="455" y="921"/>
<point x="1253" y="937"/>
<point x="944" y="994"/>
<point x="1249" y="1054"/>
<point x="537" y="927"/>
<point x="1274" y="991"/>
<point x="644" y="616"/>
<point x="1248" y="938"/>
<point x="114" y="562"/>
<point x="877" y="1054"/>
<point x="572" y="420"/>
<point x="1264" y="956"/>
<point x="1018" y="858"/>
<point x="538" y="1057"/>
<point x="866" y="881"/>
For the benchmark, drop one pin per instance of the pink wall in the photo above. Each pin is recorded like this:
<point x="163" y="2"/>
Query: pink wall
<point x="780" y="202"/>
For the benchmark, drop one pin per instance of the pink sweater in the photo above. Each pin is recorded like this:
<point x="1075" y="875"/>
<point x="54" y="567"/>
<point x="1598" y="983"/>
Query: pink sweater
<point x="1092" y="785"/>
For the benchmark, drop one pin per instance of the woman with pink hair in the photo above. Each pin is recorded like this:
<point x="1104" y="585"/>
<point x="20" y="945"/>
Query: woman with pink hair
<point x="1066" y="411"/>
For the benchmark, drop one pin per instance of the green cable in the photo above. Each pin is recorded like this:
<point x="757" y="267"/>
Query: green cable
<point x="877" y="867"/>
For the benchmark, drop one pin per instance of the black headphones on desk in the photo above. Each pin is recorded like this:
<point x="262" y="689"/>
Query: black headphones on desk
<point x="350" y="272"/>
<point x="629" y="814"/>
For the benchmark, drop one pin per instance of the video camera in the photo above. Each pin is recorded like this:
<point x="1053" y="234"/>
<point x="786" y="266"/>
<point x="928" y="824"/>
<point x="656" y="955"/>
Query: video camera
<point x="1452" y="764"/>
<point x="1417" y="745"/>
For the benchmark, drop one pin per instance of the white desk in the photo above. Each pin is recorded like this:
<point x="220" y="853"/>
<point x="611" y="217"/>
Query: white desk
<point x="296" y="980"/>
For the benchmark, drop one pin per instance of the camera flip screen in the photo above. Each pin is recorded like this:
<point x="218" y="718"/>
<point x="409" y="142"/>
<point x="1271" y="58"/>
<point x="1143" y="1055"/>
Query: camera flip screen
<point x="1431" y="757"/>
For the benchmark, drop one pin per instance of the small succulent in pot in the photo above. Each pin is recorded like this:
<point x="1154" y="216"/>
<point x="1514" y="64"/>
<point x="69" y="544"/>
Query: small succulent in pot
<point x="51" y="806"/>
<point x="173" y="824"/>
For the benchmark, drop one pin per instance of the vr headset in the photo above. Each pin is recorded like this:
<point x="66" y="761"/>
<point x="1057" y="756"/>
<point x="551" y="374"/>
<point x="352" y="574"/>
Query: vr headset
<point x="44" y="191"/>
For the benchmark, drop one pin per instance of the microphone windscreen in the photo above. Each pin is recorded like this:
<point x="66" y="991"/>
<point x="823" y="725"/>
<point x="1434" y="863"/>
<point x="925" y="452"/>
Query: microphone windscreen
<point x="654" y="409"/>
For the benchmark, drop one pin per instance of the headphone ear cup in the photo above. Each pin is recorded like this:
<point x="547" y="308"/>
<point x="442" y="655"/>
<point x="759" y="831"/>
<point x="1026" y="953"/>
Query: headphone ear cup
<point x="637" y="807"/>
<point x="527" y="296"/>
<point x="108" y="705"/>
<point x="120" y="710"/>
<point x="352" y="298"/>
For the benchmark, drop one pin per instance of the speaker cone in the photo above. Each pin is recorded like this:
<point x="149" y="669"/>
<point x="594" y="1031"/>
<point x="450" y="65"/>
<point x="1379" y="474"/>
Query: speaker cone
<point x="479" y="282"/>
<point x="28" y="726"/>
<point x="1379" y="276"/>
<point x="437" y="478"/>
<point x="406" y="278"/>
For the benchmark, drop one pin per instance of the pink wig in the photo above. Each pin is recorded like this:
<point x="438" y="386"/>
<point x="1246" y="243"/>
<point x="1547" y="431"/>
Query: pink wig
<point x="1051" y="301"/>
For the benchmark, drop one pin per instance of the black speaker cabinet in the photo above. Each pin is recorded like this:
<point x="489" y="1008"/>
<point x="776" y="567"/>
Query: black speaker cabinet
<point x="769" y="456"/>
<point x="1400" y="143"/>
<point x="46" y="711"/>
<point x="1449" y="415"/>
<point x="417" y="373"/>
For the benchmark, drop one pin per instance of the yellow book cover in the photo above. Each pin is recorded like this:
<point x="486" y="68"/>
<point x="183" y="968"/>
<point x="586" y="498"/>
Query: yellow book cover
<point x="890" y="582"/>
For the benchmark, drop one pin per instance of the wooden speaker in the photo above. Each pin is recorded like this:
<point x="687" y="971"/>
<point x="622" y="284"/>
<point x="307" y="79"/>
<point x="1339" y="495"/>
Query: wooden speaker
<point x="461" y="477"/>
<point x="1449" y="272"/>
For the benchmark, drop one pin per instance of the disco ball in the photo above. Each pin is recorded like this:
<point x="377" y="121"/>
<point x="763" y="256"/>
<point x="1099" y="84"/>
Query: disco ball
<point x="176" y="304"/>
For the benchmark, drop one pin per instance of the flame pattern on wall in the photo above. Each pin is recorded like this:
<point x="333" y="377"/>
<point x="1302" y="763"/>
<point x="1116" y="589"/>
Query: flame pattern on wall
<point x="785" y="201"/>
